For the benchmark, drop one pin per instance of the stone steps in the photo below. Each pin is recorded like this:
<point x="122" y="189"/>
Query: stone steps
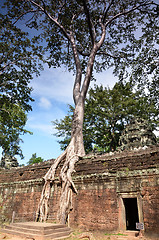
<point x="38" y="231"/>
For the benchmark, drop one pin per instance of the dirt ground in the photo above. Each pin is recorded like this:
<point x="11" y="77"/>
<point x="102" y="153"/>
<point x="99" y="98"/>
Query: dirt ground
<point x="77" y="235"/>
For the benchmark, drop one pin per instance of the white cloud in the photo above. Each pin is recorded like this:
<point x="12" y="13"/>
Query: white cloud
<point x="106" y="78"/>
<point x="54" y="84"/>
<point x="54" y="89"/>
<point x="58" y="83"/>
<point x="45" y="103"/>
<point x="44" y="128"/>
<point x="40" y="120"/>
<point x="40" y="115"/>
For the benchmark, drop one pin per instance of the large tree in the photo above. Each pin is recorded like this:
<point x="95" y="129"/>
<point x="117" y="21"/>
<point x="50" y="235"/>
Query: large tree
<point x="107" y="112"/>
<point x="34" y="159"/>
<point x="17" y="66"/>
<point x="86" y="35"/>
<point x="12" y="125"/>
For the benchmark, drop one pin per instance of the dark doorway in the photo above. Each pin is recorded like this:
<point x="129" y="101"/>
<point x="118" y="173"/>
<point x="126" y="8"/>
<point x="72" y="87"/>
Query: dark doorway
<point x="131" y="211"/>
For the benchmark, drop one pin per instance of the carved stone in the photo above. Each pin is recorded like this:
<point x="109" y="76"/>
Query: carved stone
<point x="8" y="162"/>
<point x="137" y="134"/>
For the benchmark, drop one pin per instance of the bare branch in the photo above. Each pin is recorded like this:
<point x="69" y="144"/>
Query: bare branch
<point x="30" y="11"/>
<point x="126" y="12"/>
<point x="84" y="54"/>
<point x="2" y="69"/>
<point x="90" y="64"/>
<point x="89" y="71"/>
<point x="105" y="14"/>
<point x="55" y="20"/>
<point x="106" y="54"/>
<point x="90" y="24"/>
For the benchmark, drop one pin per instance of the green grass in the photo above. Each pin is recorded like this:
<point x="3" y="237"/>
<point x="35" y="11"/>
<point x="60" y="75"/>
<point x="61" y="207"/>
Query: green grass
<point x="115" y="234"/>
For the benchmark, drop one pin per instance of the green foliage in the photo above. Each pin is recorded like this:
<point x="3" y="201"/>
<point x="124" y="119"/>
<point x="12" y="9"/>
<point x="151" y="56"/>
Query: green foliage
<point x="34" y="159"/>
<point x="18" y="63"/>
<point x="130" y="46"/>
<point x="107" y="111"/>
<point x="13" y="120"/>
<point x="63" y="127"/>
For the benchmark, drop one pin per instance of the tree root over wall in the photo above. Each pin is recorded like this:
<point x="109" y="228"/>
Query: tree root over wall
<point x="87" y="235"/>
<point x="69" y="157"/>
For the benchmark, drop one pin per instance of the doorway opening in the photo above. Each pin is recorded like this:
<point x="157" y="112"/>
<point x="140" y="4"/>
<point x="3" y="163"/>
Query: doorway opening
<point x="131" y="211"/>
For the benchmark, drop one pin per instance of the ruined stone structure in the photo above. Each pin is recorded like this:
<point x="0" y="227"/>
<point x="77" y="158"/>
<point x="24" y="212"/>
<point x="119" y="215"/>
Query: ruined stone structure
<point x="8" y="161"/>
<point x="137" y="134"/>
<point x="115" y="191"/>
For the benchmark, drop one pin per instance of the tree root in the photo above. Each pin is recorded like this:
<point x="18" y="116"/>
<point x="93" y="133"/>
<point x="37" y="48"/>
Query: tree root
<point x="42" y="210"/>
<point x="86" y="235"/>
<point x="70" y="158"/>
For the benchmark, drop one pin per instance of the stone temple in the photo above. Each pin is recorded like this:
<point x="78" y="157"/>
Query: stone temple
<point x="8" y="162"/>
<point x="115" y="190"/>
<point x="137" y="134"/>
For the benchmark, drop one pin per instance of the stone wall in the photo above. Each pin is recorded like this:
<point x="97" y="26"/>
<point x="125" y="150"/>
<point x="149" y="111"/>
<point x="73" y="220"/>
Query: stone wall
<point x="20" y="190"/>
<point x="103" y="182"/>
<point x="97" y="205"/>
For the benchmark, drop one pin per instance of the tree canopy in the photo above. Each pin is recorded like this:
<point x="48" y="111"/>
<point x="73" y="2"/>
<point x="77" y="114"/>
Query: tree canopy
<point x="12" y="122"/>
<point x="18" y="63"/>
<point x="34" y="159"/>
<point x="87" y="36"/>
<point x="107" y="112"/>
<point x="124" y="34"/>
<point x="129" y="29"/>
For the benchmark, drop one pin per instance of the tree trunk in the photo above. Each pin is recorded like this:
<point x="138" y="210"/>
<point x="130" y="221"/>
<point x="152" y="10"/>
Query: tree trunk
<point x="76" y="147"/>
<point x="74" y="150"/>
<point x="70" y="156"/>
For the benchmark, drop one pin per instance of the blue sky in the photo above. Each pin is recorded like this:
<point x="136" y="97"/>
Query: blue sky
<point x="52" y="93"/>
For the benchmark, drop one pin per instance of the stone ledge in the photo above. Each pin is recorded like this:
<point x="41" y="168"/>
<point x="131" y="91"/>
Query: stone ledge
<point x="93" y="176"/>
<point x="32" y="181"/>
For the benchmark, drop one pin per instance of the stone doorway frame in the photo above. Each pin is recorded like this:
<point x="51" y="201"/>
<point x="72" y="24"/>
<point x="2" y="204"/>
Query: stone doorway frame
<point x="122" y="214"/>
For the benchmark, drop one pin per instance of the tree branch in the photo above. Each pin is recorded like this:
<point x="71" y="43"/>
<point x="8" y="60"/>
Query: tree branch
<point x="70" y="37"/>
<point x="62" y="6"/>
<point x="4" y="110"/>
<point x="90" y="64"/>
<point x="126" y="12"/>
<point x="84" y="54"/>
<point x="55" y="20"/>
<point x="106" y="54"/>
<point x="90" y="24"/>
<point x="30" y="11"/>
<point x="89" y="71"/>
<point x="105" y="14"/>
<point x="2" y="69"/>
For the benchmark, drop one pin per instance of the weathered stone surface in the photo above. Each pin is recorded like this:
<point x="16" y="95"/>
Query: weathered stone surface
<point x="102" y="182"/>
<point x="138" y="159"/>
<point x="137" y="134"/>
<point x="37" y="230"/>
<point x="8" y="162"/>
